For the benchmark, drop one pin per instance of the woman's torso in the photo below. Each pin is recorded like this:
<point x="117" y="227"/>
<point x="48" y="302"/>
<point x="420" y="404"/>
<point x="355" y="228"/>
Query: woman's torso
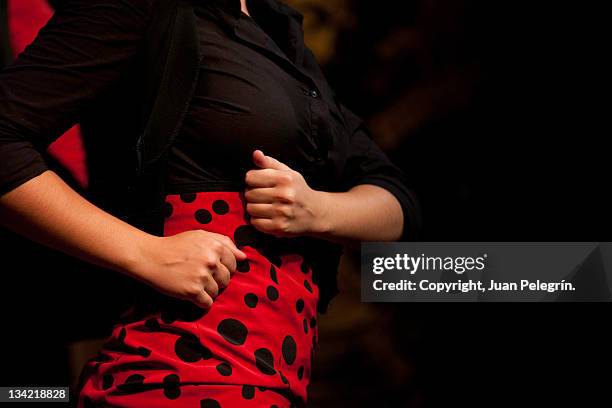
<point x="261" y="331"/>
<point x="251" y="94"/>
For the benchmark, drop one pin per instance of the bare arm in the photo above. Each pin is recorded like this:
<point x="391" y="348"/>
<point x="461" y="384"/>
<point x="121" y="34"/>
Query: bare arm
<point x="364" y="213"/>
<point x="281" y="203"/>
<point x="81" y="53"/>
<point x="191" y="265"/>
<point x="46" y="210"/>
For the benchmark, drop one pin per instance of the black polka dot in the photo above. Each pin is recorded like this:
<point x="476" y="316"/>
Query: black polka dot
<point x="188" y="197"/>
<point x="134" y="383"/>
<point x="283" y="378"/>
<point x="224" y="369"/>
<point x="134" y="379"/>
<point x="168" y="210"/>
<point x="305" y="326"/>
<point x="248" y="392"/>
<point x="251" y="300"/>
<point x="203" y="216"/>
<point x="243" y="266"/>
<point x="247" y="235"/>
<point x="168" y="316"/>
<point x="304" y="267"/>
<point x="289" y="350"/>
<point x="209" y="403"/>
<point x="307" y="286"/>
<point x="299" y="305"/>
<point x="144" y="352"/>
<point x="273" y="275"/>
<point x="172" y="390"/>
<point x="274" y="406"/>
<point x="189" y="349"/>
<point x="152" y="324"/>
<point x="264" y="361"/>
<point x="221" y="207"/>
<point x="260" y="388"/>
<point x="272" y="293"/>
<point x="300" y="372"/>
<point x="313" y="323"/>
<point x="274" y="259"/>
<point x="107" y="381"/>
<point x="233" y="331"/>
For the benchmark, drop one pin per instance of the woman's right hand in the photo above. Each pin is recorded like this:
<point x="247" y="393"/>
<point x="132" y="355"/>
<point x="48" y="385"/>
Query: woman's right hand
<point x="192" y="265"/>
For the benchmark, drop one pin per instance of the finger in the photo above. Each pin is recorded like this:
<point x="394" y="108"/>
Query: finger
<point x="222" y="276"/>
<point x="225" y="240"/>
<point x="261" y="178"/>
<point x="266" y="225"/>
<point x="261" y="210"/>
<point x="228" y="259"/>
<point x="211" y="287"/>
<point x="203" y="300"/>
<point x="261" y="195"/>
<point x="268" y="162"/>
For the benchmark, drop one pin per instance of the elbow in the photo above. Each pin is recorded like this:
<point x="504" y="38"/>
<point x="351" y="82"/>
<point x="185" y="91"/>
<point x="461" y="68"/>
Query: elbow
<point x="407" y="220"/>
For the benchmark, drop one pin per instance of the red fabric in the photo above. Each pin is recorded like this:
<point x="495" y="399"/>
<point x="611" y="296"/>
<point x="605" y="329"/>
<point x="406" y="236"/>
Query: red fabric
<point x="26" y="17"/>
<point x="253" y="347"/>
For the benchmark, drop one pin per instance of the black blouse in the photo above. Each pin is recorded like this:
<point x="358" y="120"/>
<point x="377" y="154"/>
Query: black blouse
<point x="259" y="88"/>
<point x="249" y="96"/>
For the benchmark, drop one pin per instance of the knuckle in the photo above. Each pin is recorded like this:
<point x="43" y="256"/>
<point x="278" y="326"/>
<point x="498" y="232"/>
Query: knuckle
<point x="285" y="178"/>
<point x="193" y="290"/>
<point x="210" y="261"/>
<point x="216" y="245"/>
<point x="205" y="277"/>
<point x="228" y="241"/>
<point x="283" y="226"/>
<point x="288" y="195"/>
<point x="285" y="211"/>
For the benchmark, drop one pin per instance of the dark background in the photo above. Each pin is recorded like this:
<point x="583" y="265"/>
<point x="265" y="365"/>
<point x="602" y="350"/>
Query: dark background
<point x="497" y="113"/>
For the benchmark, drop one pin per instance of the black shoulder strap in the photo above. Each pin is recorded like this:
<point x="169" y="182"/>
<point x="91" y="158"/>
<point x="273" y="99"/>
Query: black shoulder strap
<point x="179" y="59"/>
<point x="176" y="86"/>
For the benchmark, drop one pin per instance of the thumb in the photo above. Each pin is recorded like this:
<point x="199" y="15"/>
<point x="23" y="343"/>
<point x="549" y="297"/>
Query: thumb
<point x="267" y="162"/>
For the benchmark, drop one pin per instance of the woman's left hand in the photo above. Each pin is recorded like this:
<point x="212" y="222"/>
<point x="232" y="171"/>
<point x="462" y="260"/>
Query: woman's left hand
<point x="279" y="200"/>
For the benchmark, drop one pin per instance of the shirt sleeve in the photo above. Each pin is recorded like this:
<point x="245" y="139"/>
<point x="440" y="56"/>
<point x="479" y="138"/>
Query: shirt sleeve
<point x="368" y="164"/>
<point x="84" y="48"/>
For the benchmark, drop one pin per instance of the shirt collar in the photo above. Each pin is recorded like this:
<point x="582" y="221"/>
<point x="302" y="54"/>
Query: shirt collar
<point x="282" y="23"/>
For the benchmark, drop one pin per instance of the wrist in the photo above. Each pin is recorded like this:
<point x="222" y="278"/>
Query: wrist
<point x="322" y="224"/>
<point x="138" y="260"/>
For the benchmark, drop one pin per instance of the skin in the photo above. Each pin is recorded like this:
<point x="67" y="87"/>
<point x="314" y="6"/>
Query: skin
<point x="193" y="265"/>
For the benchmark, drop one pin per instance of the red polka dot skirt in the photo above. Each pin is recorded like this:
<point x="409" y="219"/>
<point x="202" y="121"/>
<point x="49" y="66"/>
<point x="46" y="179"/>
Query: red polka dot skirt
<point x="252" y="348"/>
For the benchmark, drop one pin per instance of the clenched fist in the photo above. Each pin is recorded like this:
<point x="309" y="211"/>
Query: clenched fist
<point x="192" y="265"/>
<point x="279" y="200"/>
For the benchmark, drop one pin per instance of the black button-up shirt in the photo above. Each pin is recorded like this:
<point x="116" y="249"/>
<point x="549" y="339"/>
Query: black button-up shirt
<point x="89" y="44"/>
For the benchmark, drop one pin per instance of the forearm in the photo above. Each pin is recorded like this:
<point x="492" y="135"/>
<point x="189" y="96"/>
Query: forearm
<point x="48" y="211"/>
<point x="364" y="213"/>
